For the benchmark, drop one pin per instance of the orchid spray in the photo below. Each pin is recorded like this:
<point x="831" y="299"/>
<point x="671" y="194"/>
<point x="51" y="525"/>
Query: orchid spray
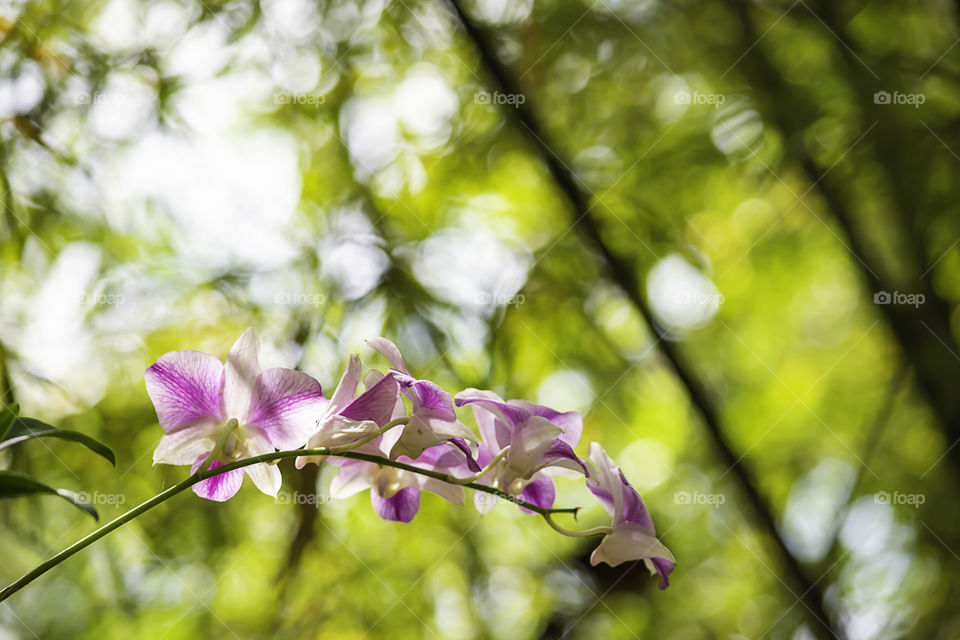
<point x="396" y="437"/>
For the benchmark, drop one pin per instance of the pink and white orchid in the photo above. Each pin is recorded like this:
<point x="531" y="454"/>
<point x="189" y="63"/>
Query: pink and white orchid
<point x="196" y="396"/>
<point x="433" y="420"/>
<point x="633" y="536"/>
<point x="540" y="442"/>
<point x="395" y="493"/>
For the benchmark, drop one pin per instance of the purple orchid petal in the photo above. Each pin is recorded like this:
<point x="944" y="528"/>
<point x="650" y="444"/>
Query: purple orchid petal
<point x="490" y="402"/>
<point x="185" y="387"/>
<point x="606" y="500"/>
<point x="432" y="401"/>
<point x="462" y="445"/>
<point x="540" y="492"/>
<point x="219" y="488"/>
<point x="286" y="406"/>
<point x="376" y="403"/>
<point x="401" y="507"/>
<point x="571" y="422"/>
<point x="664" y="568"/>
<point x="560" y="451"/>
<point x="633" y="507"/>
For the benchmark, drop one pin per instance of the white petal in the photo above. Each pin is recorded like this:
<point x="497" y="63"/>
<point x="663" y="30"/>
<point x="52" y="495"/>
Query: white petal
<point x="352" y="478"/>
<point x="450" y="492"/>
<point x="347" y="389"/>
<point x="240" y="373"/>
<point x="185" y="445"/>
<point x="389" y="351"/>
<point x="529" y="443"/>
<point x="629" y="542"/>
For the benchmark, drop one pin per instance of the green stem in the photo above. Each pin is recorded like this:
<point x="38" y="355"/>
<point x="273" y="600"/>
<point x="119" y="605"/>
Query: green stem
<point x="372" y="436"/>
<point x="205" y="474"/>
<point x="221" y="443"/>
<point x="596" y="531"/>
<point x="487" y="469"/>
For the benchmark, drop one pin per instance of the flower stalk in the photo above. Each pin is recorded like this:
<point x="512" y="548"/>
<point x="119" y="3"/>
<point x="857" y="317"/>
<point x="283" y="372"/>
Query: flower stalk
<point x="205" y="474"/>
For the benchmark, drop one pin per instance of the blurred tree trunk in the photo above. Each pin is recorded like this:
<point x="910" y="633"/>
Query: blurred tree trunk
<point x="623" y="273"/>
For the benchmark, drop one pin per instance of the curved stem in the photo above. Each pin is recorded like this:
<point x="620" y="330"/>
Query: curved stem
<point x="221" y="442"/>
<point x="487" y="469"/>
<point x="372" y="436"/>
<point x="596" y="531"/>
<point x="204" y="474"/>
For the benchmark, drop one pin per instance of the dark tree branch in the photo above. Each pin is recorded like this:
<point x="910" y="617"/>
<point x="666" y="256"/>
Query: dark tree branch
<point x="923" y="333"/>
<point x="621" y="271"/>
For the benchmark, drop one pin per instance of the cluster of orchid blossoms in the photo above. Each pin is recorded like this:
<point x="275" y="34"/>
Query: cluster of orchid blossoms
<point x="397" y="437"/>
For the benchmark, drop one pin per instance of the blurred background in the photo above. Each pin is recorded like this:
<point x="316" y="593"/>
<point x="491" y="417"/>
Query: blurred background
<point x="726" y="232"/>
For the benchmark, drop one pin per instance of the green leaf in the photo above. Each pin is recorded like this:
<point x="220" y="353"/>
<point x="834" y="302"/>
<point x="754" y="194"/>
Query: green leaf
<point x="8" y="414"/>
<point x="28" y="428"/>
<point x="14" y="484"/>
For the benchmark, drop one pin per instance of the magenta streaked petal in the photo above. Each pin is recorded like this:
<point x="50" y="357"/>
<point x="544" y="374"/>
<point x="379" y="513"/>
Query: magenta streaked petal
<point x="376" y="403"/>
<point x="185" y="387"/>
<point x="539" y="491"/>
<point x="221" y="487"/>
<point x="240" y="376"/>
<point x="286" y="407"/>
<point x="430" y="400"/>
<point x="401" y="507"/>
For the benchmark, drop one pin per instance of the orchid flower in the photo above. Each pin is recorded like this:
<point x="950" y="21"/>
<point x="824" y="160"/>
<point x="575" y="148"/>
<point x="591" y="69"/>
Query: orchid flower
<point x="433" y="420"/>
<point x="533" y="442"/>
<point x="234" y="410"/>
<point x="633" y="536"/>
<point x="395" y="493"/>
<point x="346" y="419"/>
